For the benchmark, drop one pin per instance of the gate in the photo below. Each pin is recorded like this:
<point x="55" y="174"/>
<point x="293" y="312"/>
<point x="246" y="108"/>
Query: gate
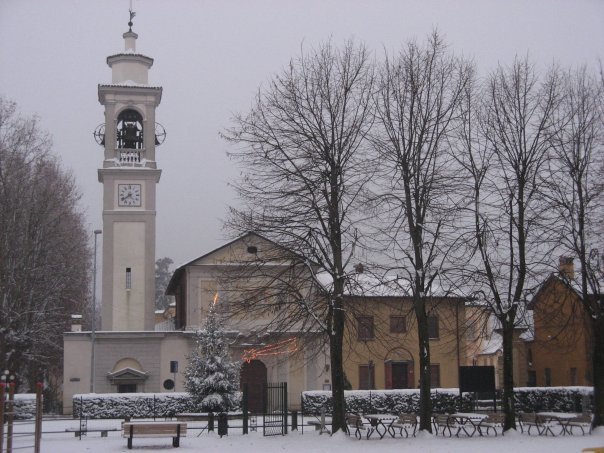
<point x="275" y="409"/>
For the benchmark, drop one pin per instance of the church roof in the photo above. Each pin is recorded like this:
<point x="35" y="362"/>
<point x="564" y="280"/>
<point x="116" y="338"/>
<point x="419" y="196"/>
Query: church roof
<point x="178" y="273"/>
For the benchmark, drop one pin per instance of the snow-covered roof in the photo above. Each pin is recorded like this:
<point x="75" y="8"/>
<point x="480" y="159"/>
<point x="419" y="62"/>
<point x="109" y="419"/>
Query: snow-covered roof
<point x="367" y="285"/>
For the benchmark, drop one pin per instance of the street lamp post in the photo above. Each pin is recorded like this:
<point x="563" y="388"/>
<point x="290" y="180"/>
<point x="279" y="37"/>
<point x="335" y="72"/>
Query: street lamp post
<point x="93" y="317"/>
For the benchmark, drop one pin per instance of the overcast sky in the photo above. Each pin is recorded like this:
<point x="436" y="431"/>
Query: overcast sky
<point x="212" y="55"/>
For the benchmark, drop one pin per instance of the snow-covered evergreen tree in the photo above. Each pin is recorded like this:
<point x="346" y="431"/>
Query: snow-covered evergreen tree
<point x="211" y="377"/>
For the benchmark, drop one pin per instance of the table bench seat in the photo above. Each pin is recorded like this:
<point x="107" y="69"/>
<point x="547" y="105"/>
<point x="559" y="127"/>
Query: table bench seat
<point x="175" y="430"/>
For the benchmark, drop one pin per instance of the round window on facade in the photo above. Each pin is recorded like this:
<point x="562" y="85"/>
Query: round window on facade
<point x="168" y="384"/>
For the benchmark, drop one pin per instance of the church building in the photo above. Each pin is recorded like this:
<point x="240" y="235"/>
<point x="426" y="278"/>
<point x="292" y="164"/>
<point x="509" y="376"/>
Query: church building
<point x="127" y="354"/>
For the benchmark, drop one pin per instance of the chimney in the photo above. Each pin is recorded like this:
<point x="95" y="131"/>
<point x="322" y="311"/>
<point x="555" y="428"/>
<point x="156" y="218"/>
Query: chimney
<point x="566" y="268"/>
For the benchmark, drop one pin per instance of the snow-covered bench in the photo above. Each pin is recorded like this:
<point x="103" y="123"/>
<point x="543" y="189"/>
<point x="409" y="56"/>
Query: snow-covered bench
<point x="175" y="430"/>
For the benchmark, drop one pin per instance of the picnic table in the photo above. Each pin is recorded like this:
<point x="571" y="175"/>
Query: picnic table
<point x="466" y="422"/>
<point x="380" y="423"/>
<point x="565" y="420"/>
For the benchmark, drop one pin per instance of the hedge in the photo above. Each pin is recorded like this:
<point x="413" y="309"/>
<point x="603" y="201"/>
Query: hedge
<point x="527" y="399"/>
<point x="133" y="405"/>
<point x="385" y="401"/>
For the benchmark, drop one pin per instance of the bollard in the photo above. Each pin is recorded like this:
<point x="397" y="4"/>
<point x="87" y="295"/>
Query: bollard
<point x="223" y="424"/>
<point x="211" y="421"/>
<point x="295" y="420"/>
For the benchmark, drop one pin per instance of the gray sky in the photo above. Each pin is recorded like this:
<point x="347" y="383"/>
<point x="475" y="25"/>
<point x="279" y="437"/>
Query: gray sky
<point x="212" y="55"/>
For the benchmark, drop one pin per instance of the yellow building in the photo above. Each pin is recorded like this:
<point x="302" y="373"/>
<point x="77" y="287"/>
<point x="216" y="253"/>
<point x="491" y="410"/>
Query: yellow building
<point x="560" y="353"/>
<point x="381" y="349"/>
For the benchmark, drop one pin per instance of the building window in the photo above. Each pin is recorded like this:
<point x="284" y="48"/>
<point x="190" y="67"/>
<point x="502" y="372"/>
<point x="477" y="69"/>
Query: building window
<point x="365" y="328"/>
<point x="434" y="375"/>
<point x="573" y="377"/>
<point x="548" y="377"/>
<point x="398" y="324"/>
<point x="367" y="377"/>
<point x="433" y="327"/>
<point x="128" y="278"/>
<point x="532" y="379"/>
<point x="126" y="388"/>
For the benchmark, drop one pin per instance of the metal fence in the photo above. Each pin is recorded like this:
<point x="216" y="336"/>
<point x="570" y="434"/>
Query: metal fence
<point x="275" y="409"/>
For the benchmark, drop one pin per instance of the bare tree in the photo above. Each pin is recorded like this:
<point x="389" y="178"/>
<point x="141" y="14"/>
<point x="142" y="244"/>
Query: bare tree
<point x="417" y="104"/>
<point x="44" y="256"/>
<point x="577" y="195"/>
<point x="304" y="165"/>
<point x="162" y="278"/>
<point x="506" y="148"/>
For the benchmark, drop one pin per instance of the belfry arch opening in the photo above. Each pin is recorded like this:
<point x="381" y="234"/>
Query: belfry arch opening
<point x="130" y="130"/>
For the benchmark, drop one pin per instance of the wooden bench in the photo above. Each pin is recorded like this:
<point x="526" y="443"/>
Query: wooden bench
<point x="441" y="423"/>
<point x="581" y="421"/>
<point x="492" y="421"/>
<point x="403" y="423"/>
<point x="355" y="422"/>
<point x="175" y="430"/>
<point x="544" y="424"/>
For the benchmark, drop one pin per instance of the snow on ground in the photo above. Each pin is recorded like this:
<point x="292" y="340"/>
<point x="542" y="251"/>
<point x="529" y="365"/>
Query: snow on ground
<point x="313" y="442"/>
<point x="295" y="442"/>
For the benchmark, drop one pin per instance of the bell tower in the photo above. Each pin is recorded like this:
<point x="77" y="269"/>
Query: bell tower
<point x="129" y="176"/>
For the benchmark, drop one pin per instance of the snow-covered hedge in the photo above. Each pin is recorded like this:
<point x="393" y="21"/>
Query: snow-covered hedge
<point x="134" y="405"/>
<point x="24" y="406"/>
<point x="528" y="399"/>
<point x="555" y="399"/>
<point x="386" y="401"/>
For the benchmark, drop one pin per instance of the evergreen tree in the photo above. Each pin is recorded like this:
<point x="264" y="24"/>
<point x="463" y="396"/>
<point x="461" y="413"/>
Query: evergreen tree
<point x="211" y="377"/>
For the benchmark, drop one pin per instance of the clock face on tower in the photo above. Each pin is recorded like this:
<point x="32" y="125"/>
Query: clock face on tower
<point x="129" y="194"/>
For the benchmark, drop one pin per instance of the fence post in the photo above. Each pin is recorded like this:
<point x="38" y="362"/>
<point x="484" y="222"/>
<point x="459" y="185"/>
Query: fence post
<point x="38" y="426"/>
<point x="223" y="424"/>
<point x="2" y="402"/>
<point x="284" y="405"/>
<point x="11" y="408"/>
<point x="244" y="408"/>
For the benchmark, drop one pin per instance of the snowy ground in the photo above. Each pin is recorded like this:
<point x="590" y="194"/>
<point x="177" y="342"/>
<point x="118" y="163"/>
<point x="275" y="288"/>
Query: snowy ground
<point x="310" y="441"/>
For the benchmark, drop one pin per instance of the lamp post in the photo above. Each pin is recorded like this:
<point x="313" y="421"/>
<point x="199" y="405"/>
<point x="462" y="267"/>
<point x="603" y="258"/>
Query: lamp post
<point x="93" y="317"/>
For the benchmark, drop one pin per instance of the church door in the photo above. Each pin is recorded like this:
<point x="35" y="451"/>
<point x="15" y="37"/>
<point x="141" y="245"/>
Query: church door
<point x="254" y="375"/>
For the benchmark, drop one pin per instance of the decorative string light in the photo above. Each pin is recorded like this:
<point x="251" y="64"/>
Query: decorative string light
<point x="282" y="347"/>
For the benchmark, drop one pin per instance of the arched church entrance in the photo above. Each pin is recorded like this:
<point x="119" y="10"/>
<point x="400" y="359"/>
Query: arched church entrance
<point x="254" y="375"/>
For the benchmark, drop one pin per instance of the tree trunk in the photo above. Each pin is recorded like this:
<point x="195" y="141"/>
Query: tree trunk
<point x="598" y="370"/>
<point x="508" y="375"/>
<point x="425" y="401"/>
<point x="337" y="372"/>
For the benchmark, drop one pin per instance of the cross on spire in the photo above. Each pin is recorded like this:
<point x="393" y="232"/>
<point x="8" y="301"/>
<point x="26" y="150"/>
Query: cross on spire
<point x="132" y="14"/>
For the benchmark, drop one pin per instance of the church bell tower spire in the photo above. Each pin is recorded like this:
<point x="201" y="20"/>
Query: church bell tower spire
<point x="129" y="175"/>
